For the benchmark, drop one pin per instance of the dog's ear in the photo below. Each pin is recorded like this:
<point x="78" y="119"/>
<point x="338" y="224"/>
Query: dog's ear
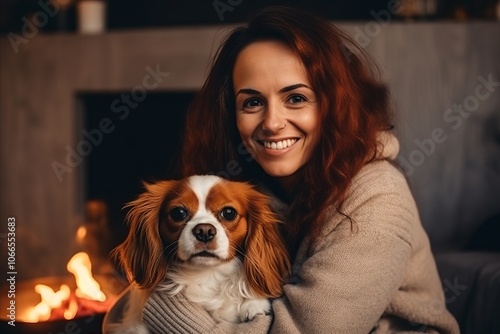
<point x="267" y="263"/>
<point x="141" y="254"/>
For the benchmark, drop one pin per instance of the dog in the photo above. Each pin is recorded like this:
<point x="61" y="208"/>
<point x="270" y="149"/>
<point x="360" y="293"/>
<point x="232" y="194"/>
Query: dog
<point x="214" y="239"/>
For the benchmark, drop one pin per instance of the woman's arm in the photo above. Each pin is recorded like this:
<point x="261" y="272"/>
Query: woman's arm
<point x="348" y="282"/>
<point x="166" y="314"/>
<point x="378" y="267"/>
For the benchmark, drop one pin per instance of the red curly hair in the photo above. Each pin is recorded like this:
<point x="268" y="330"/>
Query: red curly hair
<point x="354" y="108"/>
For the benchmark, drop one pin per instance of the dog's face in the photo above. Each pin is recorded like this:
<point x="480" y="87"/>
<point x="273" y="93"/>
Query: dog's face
<point x="204" y="221"/>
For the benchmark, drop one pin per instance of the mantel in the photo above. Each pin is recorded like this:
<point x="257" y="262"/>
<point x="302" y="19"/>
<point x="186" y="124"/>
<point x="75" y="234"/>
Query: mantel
<point x="429" y="67"/>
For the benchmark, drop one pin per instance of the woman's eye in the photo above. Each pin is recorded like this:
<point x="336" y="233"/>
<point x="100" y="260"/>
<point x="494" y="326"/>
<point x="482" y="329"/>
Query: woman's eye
<point x="297" y="99"/>
<point x="178" y="214"/>
<point x="252" y="103"/>
<point x="228" y="213"/>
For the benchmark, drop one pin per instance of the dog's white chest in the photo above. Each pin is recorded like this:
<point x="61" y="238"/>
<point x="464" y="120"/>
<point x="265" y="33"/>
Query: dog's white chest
<point x="223" y="291"/>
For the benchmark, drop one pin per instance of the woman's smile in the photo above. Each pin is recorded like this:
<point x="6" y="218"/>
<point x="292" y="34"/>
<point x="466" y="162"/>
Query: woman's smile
<point x="278" y="145"/>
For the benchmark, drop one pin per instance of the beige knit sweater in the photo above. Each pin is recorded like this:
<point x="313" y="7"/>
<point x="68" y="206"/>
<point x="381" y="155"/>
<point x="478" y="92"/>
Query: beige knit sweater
<point x="378" y="277"/>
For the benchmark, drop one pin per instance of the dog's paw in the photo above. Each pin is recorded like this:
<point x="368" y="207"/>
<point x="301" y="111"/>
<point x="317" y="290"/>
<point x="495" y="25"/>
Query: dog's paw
<point x="251" y="307"/>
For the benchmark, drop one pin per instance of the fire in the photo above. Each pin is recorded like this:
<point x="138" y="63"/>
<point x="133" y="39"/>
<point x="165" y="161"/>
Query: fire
<point x="50" y="300"/>
<point x="70" y="312"/>
<point x="81" y="233"/>
<point x="80" y="266"/>
<point x="63" y="299"/>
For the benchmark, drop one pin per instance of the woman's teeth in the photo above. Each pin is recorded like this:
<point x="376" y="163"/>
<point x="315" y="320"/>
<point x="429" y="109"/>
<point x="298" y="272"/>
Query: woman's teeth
<point x="279" y="145"/>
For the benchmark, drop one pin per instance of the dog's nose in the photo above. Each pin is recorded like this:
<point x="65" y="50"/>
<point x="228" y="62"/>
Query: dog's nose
<point x="204" y="232"/>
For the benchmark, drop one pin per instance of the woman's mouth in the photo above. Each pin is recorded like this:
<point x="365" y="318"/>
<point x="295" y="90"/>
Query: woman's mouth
<point x="278" y="144"/>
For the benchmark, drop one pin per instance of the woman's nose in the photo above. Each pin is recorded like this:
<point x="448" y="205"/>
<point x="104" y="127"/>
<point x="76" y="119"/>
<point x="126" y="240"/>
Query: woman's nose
<point x="274" y="119"/>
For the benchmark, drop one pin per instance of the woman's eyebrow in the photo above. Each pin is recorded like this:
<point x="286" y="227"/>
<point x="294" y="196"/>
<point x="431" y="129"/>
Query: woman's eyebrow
<point x="292" y="87"/>
<point x="248" y="91"/>
<point x="251" y="91"/>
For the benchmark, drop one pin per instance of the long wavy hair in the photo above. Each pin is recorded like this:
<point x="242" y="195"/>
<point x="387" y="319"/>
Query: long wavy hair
<point x="354" y="107"/>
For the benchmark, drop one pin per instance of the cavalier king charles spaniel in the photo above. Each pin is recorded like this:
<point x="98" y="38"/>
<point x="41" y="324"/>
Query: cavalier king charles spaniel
<point x="218" y="241"/>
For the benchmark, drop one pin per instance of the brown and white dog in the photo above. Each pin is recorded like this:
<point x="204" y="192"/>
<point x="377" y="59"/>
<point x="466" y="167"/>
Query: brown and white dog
<point x="216" y="240"/>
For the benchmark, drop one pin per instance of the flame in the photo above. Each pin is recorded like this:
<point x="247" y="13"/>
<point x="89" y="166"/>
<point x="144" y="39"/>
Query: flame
<point x="50" y="300"/>
<point x="80" y="266"/>
<point x="70" y="312"/>
<point x="87" y="287"/>
<point x="81" y="233"/>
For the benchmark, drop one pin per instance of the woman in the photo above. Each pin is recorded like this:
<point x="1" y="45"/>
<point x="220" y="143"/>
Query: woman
<point x="291" y="105"/>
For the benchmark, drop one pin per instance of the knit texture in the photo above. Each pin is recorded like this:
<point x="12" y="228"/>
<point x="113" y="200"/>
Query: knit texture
<point x="372" y="273"/>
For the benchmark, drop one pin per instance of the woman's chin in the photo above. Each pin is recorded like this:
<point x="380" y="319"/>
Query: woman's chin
<point x="288" y="178"/>
<point x="279" y="173"/>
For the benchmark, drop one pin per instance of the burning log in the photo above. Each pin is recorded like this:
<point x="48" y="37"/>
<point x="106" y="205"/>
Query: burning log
<point x="76" y="307"/>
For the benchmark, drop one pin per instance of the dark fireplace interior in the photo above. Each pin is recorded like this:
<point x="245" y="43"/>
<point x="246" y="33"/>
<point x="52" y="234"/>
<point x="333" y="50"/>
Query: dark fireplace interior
<point x="143" y="145"/>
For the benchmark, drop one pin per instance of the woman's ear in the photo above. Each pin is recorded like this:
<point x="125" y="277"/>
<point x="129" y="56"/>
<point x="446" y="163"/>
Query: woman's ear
<point x="267" y="263"/>
<point x="141" y="254"/>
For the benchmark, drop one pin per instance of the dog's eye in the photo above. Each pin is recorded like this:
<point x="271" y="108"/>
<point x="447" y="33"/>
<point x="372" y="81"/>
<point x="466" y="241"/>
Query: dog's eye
<point x="178" y="214"/>
<point x="228" y="213"/>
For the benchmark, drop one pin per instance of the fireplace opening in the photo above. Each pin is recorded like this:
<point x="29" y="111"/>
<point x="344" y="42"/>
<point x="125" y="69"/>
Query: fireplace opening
<point x="142" y="143"/>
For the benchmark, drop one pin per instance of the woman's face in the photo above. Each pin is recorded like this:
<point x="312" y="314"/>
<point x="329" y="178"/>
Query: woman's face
<point x="276" y="110"/>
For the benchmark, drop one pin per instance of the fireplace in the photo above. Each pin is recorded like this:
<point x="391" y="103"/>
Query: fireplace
<point x="66" y="76"/>
<point x="142" y="145"/>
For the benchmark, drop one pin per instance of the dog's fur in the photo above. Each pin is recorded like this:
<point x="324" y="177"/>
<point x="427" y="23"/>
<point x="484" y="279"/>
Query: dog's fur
<point x="215" y="240"/>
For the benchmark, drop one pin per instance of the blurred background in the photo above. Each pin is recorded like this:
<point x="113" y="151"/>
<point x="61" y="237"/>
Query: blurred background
<point x="130" y="14"/>
<point x="93" y="96"/>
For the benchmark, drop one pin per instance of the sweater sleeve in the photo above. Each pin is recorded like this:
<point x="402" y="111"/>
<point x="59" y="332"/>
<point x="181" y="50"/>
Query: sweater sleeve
<point x="166" y="314"/>
<point x="354" y="270"/>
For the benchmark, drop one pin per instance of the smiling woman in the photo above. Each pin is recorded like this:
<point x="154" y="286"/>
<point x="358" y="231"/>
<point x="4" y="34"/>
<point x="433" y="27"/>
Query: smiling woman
<point x="301" y="98"/>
